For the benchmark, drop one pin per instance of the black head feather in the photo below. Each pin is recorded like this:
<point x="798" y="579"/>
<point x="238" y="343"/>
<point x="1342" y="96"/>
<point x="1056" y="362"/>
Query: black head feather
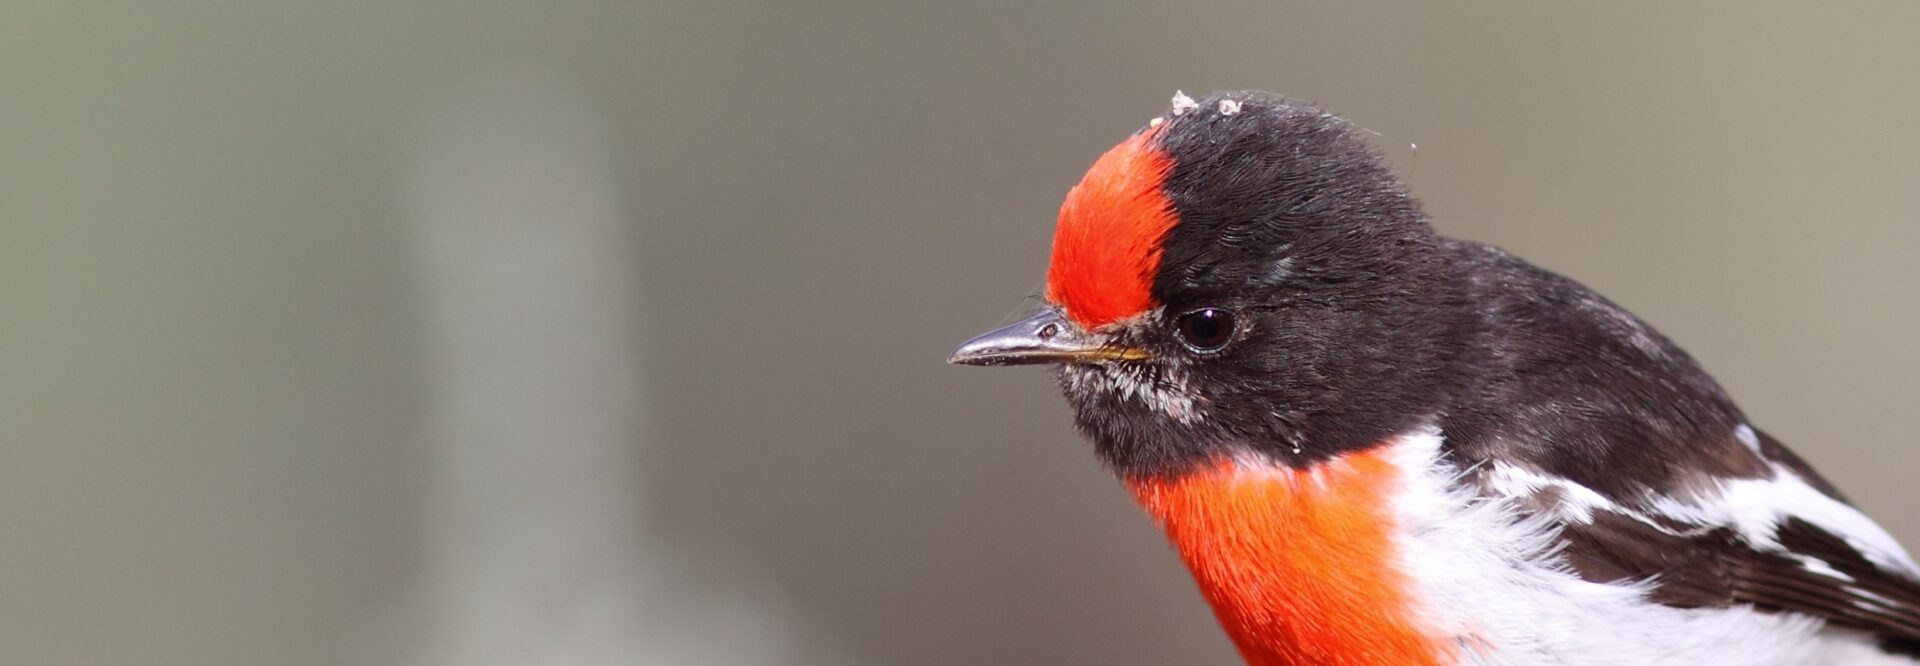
<point x="1358" y="322"/>
<point x="1351" y="323"/>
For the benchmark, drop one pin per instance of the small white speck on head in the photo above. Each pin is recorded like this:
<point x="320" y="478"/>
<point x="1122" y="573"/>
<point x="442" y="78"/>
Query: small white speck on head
<point x="1747" y="436"/>
<point x="1156" y="121"/>
<point x="1229" y="107"/>
<point x="1182" y="103"/>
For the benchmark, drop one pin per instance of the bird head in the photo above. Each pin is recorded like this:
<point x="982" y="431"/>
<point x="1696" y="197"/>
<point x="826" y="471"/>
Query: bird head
<point x="1243" y="276"/>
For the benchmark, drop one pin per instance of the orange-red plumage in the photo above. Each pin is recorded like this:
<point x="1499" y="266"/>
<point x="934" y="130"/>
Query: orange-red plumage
<point x="1297" y="564"/>
<point x="1375" y="445"/>
<point x="1106" y="245"/>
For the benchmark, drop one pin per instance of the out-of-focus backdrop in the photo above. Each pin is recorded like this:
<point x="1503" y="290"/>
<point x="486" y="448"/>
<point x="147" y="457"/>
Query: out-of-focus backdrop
<point x="612" y="333"/>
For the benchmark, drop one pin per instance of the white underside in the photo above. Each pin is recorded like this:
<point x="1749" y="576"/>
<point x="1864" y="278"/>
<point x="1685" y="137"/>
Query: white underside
<point x="1492" y="579"/>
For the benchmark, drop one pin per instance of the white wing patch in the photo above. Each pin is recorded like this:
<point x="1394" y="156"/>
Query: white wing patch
<point x="1747" y="437"/>
<point x="1757" y="507"/>
<point x="1576" y="502"/>
<point x="1820" y="566"/>
<point x="1490" y="575"/>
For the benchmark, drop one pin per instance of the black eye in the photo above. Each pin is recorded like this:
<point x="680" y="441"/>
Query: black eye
<point x="1207" y="329"/>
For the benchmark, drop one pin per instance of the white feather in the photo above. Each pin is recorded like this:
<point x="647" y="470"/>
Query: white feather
<point x="1756" y="507"/>
<point x="1491" y="577"/>
<point x="1576" y="502"/>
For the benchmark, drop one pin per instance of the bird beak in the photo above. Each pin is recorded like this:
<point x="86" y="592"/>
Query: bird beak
<point x="1046" y="337"/>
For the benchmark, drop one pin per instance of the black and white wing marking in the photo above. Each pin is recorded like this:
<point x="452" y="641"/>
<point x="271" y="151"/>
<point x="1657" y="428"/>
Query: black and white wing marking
<point x="1784" y="541"/>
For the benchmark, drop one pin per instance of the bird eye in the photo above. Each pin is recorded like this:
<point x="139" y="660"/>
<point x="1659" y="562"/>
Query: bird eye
<point x="1207" y="329"/>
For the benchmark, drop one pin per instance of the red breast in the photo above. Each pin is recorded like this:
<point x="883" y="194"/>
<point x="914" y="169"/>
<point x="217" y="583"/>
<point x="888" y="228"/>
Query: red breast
<point x="1297" y="564"/>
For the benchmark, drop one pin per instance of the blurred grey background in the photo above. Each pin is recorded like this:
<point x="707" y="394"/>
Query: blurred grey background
<point x="603" y="333"/>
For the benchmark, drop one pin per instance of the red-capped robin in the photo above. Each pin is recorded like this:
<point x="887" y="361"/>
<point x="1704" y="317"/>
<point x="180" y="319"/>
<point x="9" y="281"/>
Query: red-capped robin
<point x="1375" y="445"/>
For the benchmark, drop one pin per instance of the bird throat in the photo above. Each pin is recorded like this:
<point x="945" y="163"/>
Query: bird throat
<point x="1298" y="564"/>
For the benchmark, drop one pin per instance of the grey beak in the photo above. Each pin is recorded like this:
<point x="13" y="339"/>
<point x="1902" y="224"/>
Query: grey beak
<point x="1046" y="337"/>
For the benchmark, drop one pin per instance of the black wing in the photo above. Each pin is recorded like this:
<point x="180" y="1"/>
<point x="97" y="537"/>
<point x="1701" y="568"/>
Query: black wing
<point x="1784" y="541"/>
<point x="1649" y="466"/>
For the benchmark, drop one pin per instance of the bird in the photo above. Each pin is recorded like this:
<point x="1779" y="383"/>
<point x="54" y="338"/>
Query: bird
<point x="1373" y="444"/>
